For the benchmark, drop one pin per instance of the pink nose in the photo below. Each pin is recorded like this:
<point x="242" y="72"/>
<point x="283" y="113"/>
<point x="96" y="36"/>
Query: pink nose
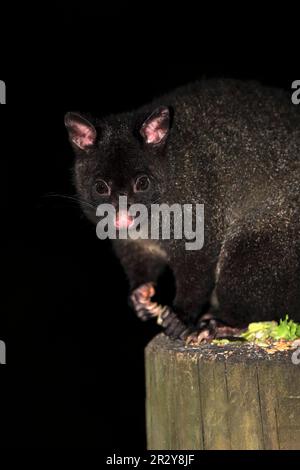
<point x="123" y="220"/>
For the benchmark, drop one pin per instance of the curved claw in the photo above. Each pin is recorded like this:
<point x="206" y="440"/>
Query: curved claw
<point x="196" y="337"/>
<point x="210" y="330"/>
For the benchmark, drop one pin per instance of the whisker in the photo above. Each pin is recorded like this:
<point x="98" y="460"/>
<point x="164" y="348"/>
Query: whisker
<point x="71" y="198"/>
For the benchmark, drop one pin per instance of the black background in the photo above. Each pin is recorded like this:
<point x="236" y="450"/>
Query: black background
<point x="74" y="375"/>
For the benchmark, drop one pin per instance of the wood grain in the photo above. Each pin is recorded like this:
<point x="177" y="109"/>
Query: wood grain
<point x="220" y="397"/>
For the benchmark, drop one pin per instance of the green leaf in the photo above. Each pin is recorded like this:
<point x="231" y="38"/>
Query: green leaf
<point x="260" y="332"/>
<point x="222" y="341"/>
<point x="287" y="329"/>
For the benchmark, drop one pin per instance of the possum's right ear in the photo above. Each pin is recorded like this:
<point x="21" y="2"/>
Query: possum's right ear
<point x="155" y="128"/>
<point x="81" y="132"/>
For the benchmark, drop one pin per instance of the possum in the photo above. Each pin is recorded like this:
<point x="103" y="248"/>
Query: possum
<point x="232" y="146"/>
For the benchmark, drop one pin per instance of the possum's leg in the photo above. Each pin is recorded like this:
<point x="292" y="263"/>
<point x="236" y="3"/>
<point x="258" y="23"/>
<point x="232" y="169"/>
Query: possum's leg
<point x="193" y="288"/>
<point x="258" y="273"/>
<point x="194" y="279"/>
<point x="145" y="308"/>
<point x="144" y="261"/>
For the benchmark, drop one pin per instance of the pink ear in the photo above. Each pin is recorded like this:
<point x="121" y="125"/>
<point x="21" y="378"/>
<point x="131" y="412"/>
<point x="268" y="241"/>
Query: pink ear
<point x="82" y="133"/>
<point x="156" y="127"/>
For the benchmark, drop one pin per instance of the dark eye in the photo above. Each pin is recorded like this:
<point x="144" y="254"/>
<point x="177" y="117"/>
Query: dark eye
<point x="142" y="184"/>
<point x="102" y="188"/>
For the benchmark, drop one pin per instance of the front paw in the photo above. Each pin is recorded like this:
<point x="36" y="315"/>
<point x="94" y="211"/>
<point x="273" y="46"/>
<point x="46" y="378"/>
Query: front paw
<point x="141" y="301"/>
<point x="145" y="309"/>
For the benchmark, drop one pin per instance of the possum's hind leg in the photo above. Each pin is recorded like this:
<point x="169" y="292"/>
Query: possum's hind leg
<point x="258" y="274"/>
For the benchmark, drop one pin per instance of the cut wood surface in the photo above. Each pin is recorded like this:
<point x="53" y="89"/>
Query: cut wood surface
<point x="235" y="396"/>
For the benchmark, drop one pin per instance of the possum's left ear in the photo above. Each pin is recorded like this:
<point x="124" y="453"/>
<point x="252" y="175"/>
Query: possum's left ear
<point x="81" y="132"/>
<point x="156" y="127"/>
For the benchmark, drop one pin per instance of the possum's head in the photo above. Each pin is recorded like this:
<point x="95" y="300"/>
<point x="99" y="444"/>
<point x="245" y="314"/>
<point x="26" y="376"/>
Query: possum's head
<point x="122" y="155"/>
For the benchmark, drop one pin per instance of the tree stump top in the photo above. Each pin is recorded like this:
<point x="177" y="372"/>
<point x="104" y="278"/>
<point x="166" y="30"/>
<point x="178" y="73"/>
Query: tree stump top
<point x="235" y="351"/>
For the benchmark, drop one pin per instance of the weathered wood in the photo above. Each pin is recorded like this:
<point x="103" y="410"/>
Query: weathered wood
<point x="211" y="397"/>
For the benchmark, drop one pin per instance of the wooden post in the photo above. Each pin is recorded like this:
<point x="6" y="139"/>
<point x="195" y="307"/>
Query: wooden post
<point x="235" y="396"/>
